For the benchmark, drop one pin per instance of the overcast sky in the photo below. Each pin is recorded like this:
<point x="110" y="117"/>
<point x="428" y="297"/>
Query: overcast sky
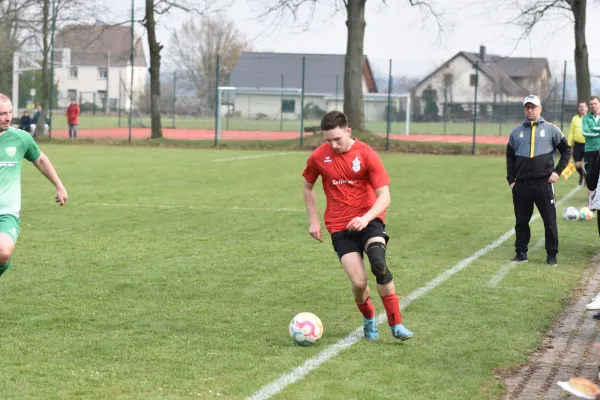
<point x="400" y="32"/>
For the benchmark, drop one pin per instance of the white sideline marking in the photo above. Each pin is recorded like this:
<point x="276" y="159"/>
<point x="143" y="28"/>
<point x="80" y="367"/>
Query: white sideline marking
<point x="507" y="267"/>
<point x="313" y="363"/>
<point x="249" y="157"/>
<point x="192" y="207"/>
<point x="174" y="206"/>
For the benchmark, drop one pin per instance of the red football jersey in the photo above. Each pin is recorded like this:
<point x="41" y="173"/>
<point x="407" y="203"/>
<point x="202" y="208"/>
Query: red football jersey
<point x="349" y="182"/>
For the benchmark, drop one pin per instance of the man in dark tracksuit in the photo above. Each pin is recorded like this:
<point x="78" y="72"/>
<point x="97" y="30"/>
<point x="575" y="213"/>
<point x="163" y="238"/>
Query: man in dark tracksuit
<point x="530" y="157"/>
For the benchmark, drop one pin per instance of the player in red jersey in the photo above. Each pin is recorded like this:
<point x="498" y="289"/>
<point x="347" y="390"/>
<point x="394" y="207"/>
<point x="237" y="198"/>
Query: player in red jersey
<point x="356" y="188"/>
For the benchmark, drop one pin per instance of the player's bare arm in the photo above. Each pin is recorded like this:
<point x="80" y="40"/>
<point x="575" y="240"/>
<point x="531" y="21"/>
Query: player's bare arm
<point x="310" y="201"/>
<point x="44" y="165"/>
<point x="382" y="202"/>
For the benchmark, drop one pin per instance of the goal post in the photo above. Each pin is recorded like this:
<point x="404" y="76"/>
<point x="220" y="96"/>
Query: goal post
<point x="32" y="61"/>
<point x="400" y="96"/>
<point x="276" y="104"/>
<point x="229" y="93"/>
<point x="398" y="102"/>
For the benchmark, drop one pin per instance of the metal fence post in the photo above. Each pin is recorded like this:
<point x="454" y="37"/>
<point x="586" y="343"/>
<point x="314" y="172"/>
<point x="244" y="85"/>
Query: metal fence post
<point x="281" y="105"/>
<point x="500" y="108"/>
<point x="389" y="110"/>
<point x="217" y="105"/>
<point x="174" y="95"/>
<point x="445" y="108"/>
<point x="302" y="102"/>
<point x="475" y="104"/>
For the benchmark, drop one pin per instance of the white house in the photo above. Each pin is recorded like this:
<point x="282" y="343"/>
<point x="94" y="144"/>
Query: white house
<point x="266" y="85"/>
<point x="500" y="79"/>
<point x="99" y="68"/>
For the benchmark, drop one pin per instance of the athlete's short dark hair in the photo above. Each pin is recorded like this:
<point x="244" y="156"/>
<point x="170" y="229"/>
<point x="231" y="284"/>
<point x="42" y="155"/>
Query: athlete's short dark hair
<point x="334" y="119"/>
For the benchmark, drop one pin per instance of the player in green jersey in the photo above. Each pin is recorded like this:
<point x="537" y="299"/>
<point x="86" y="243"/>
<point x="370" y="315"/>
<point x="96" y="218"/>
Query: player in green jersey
<point x="16" y="145"/>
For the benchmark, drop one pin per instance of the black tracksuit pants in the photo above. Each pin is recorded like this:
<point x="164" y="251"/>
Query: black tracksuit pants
<point x="526" y="193"/>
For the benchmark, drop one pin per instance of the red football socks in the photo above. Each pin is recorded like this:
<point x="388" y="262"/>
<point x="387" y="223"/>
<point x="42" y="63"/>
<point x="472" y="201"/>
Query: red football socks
<point x="392" y="309"/>
<point x="366" y="308"/>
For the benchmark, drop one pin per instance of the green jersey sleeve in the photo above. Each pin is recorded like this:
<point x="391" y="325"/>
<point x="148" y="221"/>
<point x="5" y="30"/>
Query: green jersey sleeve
<point x="32" y="151"/>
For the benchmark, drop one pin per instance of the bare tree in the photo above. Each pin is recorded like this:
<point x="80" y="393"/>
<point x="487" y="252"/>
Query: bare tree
<point x="161" y="7"/>
<point x="52" y="13"/>
<point x="533" y="12"/>
<point x="155" y="48"/>
<point x="15" y="17"/>
<point x="353" y="66"/>
<point x="195" y="47"/>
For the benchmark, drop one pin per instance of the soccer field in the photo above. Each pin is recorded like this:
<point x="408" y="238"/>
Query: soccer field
<point x="173" y="274"/>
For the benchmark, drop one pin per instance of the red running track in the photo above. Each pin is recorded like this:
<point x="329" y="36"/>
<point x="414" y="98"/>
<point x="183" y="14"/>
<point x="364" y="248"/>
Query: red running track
<point x="200" y="134"/>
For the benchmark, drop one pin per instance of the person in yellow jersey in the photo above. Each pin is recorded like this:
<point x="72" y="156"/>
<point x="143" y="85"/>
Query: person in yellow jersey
<point x="577" y="140"/>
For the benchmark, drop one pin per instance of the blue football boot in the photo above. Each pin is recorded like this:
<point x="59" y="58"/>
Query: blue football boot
<point x="400" y="332"/>
<point x="370" y="328"/>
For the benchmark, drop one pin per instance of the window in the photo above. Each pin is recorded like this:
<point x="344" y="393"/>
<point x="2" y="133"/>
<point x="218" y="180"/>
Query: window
<point x="473" y="80"/>
<point x="102" y="73"/>
<point x="72" y="94"/>
<point x="73" y="73"/>
<point x="102" y="98"/>
<point x="288" y="106"/>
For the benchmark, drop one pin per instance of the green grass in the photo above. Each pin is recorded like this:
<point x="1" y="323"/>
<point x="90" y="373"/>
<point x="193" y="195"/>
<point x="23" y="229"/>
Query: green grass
<point x="88" y="121"/>
<point x="169" y="275"/>
<point x="309" y="142"/>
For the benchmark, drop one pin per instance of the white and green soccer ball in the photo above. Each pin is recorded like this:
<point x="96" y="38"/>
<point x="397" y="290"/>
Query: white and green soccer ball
<point x="571" y="214"/>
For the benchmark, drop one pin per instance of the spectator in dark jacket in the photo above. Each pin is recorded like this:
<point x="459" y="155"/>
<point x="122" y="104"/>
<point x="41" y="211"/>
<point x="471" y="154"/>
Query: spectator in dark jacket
<point x="531" y="173"/>
<point x="25" y="122"/>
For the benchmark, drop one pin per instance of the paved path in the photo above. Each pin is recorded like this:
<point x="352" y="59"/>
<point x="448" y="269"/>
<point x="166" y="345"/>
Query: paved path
<point x="566" y="352"/>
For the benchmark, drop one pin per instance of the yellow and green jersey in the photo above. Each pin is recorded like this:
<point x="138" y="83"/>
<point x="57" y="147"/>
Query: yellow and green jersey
<point x="575" y="133"/>
<point x="15" y="145"/>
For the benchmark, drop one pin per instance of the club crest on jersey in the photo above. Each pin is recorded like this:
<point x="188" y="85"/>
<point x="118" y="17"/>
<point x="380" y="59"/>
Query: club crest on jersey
<point x="11" y="151"/>
<point x="356" y="164"/>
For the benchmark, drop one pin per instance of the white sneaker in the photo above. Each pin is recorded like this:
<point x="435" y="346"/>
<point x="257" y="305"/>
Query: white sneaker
<point x="594" y="304"/>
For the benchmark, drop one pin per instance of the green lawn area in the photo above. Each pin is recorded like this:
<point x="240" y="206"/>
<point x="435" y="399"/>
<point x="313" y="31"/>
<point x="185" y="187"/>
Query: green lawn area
<point x="426" y="128"/>
<point x="173" y="274"/>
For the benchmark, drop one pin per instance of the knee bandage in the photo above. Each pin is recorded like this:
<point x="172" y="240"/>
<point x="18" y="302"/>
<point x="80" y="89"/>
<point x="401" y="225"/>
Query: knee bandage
<point x="376" y="253"/>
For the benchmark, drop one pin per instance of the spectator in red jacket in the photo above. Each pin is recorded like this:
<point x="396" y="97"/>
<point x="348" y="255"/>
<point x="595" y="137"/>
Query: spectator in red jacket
<point x="73" y="118"/>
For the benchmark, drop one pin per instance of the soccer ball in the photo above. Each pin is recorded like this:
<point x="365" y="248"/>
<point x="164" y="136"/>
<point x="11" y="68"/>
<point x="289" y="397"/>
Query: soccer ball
<point x="571" y="214"/>
<point x="585" y="214"/>
<point x="305" y="329"/>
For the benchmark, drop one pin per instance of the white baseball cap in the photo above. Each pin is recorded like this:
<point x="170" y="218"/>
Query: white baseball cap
<point x="533" y="100"/>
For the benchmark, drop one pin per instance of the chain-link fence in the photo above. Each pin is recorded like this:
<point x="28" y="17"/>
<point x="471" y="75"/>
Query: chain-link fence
<point x="279" y="96"/>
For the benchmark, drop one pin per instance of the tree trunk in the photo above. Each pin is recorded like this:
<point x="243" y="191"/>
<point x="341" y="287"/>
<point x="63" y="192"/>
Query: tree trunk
<point x="582" y="68"/>
<point x="155" y="49"/>
<point x="45" y="92"/>
<point x="353" y="66"/>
